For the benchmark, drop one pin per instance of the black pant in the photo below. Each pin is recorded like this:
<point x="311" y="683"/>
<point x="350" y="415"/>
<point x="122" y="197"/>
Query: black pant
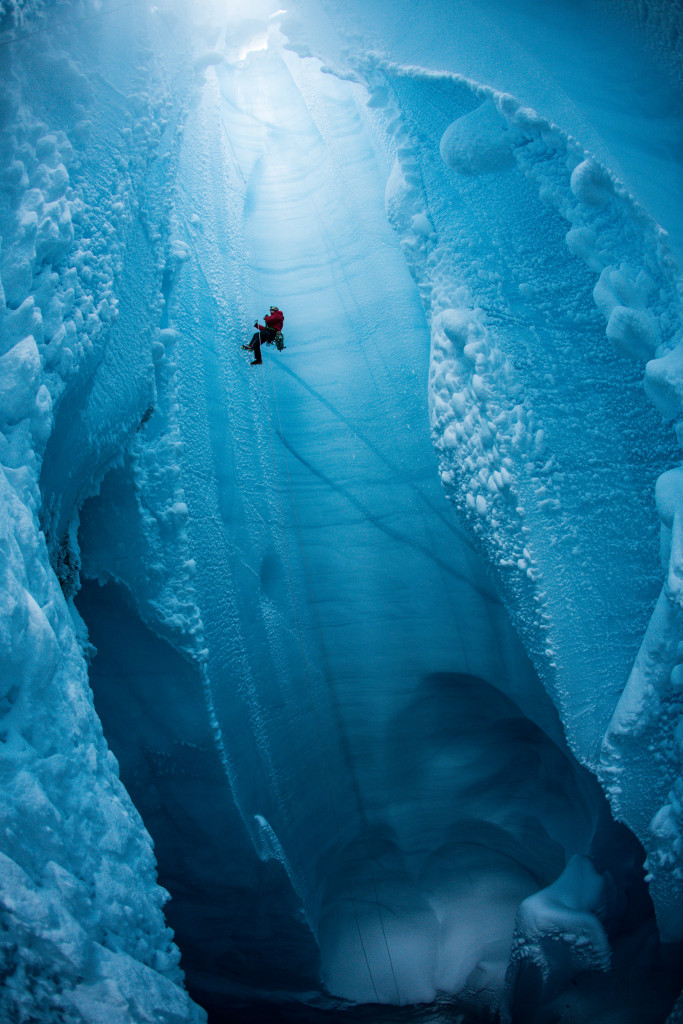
<point x="267" y="335"/>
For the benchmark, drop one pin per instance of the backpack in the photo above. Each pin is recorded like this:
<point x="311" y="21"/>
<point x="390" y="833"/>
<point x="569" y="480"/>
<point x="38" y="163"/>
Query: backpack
<point x="280" y="341"/>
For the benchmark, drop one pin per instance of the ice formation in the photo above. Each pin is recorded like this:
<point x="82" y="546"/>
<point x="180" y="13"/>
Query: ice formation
<point x="371" y="656"/>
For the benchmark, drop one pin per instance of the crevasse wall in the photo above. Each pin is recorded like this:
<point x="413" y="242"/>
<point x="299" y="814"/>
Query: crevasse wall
<point x="136" y="234"/>
<point x="545" y="507"/>
<point x="362" y="633"/>
<point x="83" y="924"/>
<point x="635" y="279"/>
<point x="486" y="288"/>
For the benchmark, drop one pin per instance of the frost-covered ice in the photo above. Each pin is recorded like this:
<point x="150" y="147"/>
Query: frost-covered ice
<point x="384" y="634"/>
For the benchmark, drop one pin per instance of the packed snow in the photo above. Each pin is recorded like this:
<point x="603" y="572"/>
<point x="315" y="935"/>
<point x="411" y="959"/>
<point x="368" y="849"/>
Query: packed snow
<point x="368" y="657"/>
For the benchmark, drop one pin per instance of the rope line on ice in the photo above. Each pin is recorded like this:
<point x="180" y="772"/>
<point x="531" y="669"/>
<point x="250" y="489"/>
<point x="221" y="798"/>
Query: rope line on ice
<point x="309" y="687"/>
<point x="237" y="163"/>
<point x="328" y="676"/>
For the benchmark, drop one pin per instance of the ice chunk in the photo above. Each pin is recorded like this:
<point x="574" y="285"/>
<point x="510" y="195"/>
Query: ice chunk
<point x="669" y="495"/>
<point x="669" y="499"/>
<point x="664" y="382"/>
<point x="633" y="332"/>
<point x="422" y="225"/>
<point x="479" y="142"/>
<point x="179" y="251"/>
<point x="591" y="184"/>
<point x="19" y="380"/>
<point x="558" y="933"/>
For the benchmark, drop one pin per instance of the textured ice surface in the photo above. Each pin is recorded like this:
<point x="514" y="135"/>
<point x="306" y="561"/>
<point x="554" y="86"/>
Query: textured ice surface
<point x="332" y="693"/>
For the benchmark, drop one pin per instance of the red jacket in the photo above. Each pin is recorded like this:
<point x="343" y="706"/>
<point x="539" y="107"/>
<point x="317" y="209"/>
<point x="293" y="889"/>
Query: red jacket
<point x="274" y="320"/>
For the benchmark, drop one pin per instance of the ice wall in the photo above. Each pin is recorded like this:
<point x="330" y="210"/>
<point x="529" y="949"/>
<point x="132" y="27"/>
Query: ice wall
<point x="84" y="936"/>
<point x="354" y="774"/>
<point x="656" y="25"/>
<point x="486" y="281"/>
<point x="345" y="619"/>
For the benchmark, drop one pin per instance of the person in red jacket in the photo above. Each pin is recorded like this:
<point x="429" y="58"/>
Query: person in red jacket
<point x="266" y="332"/>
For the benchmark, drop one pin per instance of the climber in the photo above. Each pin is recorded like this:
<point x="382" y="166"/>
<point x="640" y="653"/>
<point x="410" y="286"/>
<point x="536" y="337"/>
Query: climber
<point x="268" y="333"/>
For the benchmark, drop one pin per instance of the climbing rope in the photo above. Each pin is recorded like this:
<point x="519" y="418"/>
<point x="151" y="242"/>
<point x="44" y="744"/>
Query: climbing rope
<point x="232" y="148"/>
<point x="307" y="674"/>
<point x="328" y="675"/>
